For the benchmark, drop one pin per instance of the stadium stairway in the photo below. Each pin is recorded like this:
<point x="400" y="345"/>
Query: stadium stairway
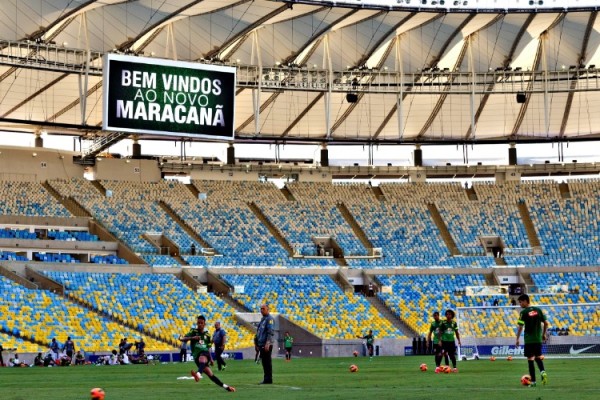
<point x="189" y="280"/>
<point x="341" y="261"/>
<point x="271" y="227"/>
<point x="16" y="277"/>
<point x="342" y="281"/>
<point x="386" y="312"/>
<point x="218" y="285"/>
<point x="534" y="240"/>
<point x="492" y="279"/>
<point x="42" y="281"/>
<point x="70" y="204"/>
<point x="99" y="186"/>
<point x="565" y="193"/>
<point x="123" y="250"/>
<point x="154" y="240"/>
<point x="184" y="225"/>
<point x="526" y="278"/>
<point x="360" y="234"/>
<point x="193" y="189"/>
<point x="338" y="253"/>
<point x="161" y="242"/>
<point x="378" y="193"/>
<point x="288" y="194"/>
<point x="380" y="306"/>
<point x="471" y="194"/>
<point x="445" y="233"/>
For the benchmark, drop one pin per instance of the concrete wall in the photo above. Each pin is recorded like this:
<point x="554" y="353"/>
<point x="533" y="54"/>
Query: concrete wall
<point x="127" y="170"/>
<point x="37" y="164"/>
<point x="305" y="344"/>
<point x="32" y="222"/>
<point x="215" y="173"/>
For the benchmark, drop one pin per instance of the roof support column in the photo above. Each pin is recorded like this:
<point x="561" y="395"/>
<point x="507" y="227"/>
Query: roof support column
<point x="170" y="45"/>
<point x="136" y="148"/>
<point x="39" y="140"/>
<point x="256" y="92"/>
<point x="473" y="83"/>
<point x="230" y="154"/>
<point x="418" y="156"/>
<point x="512" y="154"/>
<point x="327" y="64"/>
<point x="83" y="79"/>
<point x="400" y="78"/>
<point x="324" y="155"/>
<point x="543" y="39"/>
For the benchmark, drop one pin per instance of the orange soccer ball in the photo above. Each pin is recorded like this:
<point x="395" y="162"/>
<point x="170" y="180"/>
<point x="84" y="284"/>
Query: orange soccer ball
<point x="423" y="367"/>
<point x="525" y="380"/>
<point x="446" y="369"/>
<point x="97" y="394"/>
<point x="509" y="358"/>
<point x="355" y="353"/>
<point x="353" y="368"/>
<point x="492" y="358"/>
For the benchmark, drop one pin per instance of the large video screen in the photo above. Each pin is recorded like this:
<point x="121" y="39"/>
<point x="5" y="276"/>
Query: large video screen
<point x="166" y="97"/>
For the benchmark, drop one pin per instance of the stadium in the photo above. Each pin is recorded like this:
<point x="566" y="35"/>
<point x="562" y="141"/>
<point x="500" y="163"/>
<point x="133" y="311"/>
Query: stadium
<point x="113" y="236"/>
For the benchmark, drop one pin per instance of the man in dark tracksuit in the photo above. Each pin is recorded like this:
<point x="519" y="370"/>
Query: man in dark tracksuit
<point x="219" y="338"/>
<point x="264" y="341"/>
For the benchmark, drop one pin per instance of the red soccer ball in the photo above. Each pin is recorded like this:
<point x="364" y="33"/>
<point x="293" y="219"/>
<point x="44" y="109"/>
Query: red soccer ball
<point x="97" y="394"/>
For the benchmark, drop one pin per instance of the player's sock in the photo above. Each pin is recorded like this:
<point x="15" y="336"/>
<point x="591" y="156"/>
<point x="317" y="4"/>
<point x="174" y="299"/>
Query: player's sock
<point x="531" y="370"/>
<point x="201" y="367"/>
<point x="453" y="359"/>
<point x="216" y="380"/>
<point x="446" y="359"/>
<point x="438" y="360"/>
<point x="540" y="364"/>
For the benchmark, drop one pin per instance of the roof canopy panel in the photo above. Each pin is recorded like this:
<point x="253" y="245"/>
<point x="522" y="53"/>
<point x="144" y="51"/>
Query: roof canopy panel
<point x="316" y="71"/>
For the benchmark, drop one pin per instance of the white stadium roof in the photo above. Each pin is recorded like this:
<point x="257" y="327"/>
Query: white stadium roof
<point x="402" y="71"/>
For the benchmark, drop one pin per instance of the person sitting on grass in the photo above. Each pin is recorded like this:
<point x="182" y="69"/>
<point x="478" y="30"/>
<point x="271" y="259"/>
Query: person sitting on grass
<point x="38" y="361"/>
<point x="16" y="362"/>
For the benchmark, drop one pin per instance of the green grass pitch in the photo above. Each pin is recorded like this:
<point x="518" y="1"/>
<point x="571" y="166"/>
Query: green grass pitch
<point x="307" y="379"/>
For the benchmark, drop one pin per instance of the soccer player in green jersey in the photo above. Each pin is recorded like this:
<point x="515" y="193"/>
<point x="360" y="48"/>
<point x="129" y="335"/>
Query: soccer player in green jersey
<point x="535" y="324"/>
<point x="200" y="343"/>
<point x="370" y="340"/>
<point x="448" y="330"/>
<point x="288" y="341"/>
<point x="436" y="345"/>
